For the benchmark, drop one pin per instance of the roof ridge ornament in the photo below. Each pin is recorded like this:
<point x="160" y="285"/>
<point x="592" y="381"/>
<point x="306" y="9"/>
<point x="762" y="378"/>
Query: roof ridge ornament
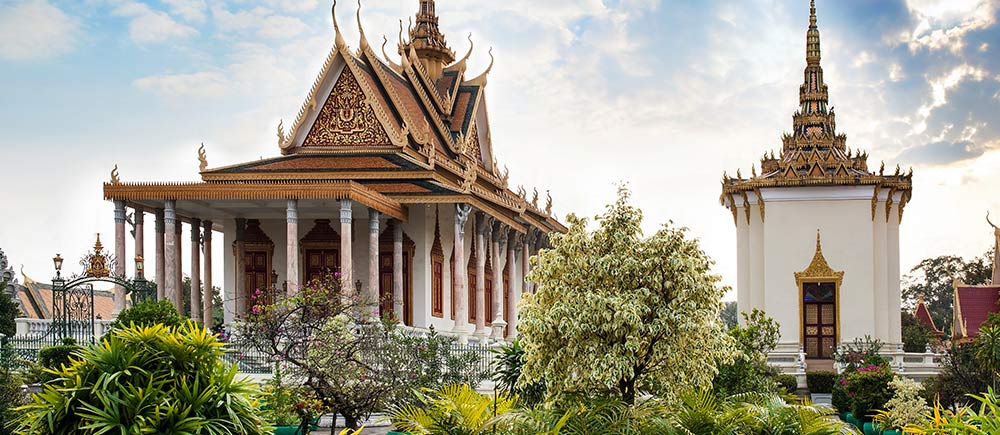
<point x="339" y="41"/>
<point x="481" y="79"/>
<point x="364" y="46"/>
<point x="115" y="181"/>
<point x="202" y="158"/>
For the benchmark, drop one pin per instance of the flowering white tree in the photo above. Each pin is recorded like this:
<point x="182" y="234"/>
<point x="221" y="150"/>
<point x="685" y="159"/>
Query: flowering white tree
<point x="619" y="313"/>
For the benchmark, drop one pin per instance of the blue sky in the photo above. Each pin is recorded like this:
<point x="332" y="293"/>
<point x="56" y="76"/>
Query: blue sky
<point x="664" y="95"/>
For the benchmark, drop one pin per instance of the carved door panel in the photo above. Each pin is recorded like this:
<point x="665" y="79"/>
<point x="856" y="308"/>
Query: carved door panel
<point x="257" y="276"/>
<point x="819" y="320"/>
<point x="320" y="262"/>
<point x="385" y="286"/>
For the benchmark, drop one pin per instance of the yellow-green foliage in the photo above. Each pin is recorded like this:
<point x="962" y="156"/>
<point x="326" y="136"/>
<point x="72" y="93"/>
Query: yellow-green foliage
<point x="454" y="409"/>
<point x="617" y="312"/>
<point x="146" y="380"/>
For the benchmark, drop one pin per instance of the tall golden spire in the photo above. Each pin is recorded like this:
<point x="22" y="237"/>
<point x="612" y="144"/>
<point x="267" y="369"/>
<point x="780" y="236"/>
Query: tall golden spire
<point x="812" y="37"/>
<point x="813" y="96"/>
<point x="428" y="41"/>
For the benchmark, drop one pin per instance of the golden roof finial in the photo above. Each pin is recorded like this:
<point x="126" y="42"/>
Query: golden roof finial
<point x="812" y="14"/>
<point x="114" y="176"/>
<point x="995" y="228"/>
<point x="339" y="41"/>
<point x="202" y="158"/>
<point x="361" y="29"/>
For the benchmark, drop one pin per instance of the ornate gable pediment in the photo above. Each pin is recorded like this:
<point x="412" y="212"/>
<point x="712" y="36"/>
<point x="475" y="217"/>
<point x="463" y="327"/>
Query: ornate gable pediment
<point x="347" y="118"/>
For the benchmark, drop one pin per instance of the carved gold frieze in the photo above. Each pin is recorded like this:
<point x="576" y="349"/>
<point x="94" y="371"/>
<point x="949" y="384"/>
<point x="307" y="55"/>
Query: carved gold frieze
<point x="347" y="118"/>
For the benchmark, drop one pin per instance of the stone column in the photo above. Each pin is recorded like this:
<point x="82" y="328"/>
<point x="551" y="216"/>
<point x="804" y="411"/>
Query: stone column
<point x="241" y="268"/>
<point x="292" y="256"/>
<point x="161" y="285"/>
<point x="196" y="269"/>
<point x="512" y="293"/>
<point x="119" y="253"/>
<point x="179" y="267"/>
<point x="483" y="224"/>
<point x="207" y="301"/>
<point x="525" y="263"/>
<point x="139" y="236"/>
<point x="346" y="253"/>
<point x="374" y="294"/>
<point x="170" y="284"/>
<point x="461" y="280"/>
<point x="499" y="236"/>
<point x="397" y="271"/>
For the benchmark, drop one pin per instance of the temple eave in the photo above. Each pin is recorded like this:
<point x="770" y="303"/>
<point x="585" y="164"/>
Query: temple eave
<point x="331" y="190"/>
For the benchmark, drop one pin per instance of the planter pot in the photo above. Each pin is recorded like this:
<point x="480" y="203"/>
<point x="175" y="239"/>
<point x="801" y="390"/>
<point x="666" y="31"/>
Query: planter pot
<point x="869" y="429"/>
<point x="892" y="432"/>
<point x="286" y="430"/>
<point x="822" y="399"/>
<point x="857" y="423"/>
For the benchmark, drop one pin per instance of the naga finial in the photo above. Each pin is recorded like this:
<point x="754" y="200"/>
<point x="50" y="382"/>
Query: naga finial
<point x="897" y="170"/>
<point x="202" y="158"/>
<point x="995" y="228"/>
<point x="521" y="192"/>
<point x="534" y="199"/>
<point x="548" y="202"/>
<point x="281" y="132"/>
<point x="753" y="171"/>
<point x="505" y="178"/>
<point x="339" y="41"/>
<point x="114" y="176"/>
<point x="881" y="169"/>
<point x="361" y="29"/>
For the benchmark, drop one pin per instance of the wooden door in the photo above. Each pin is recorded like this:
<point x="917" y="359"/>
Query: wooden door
<point x="819" y="319"/>
<point x="257" y="278"/>
<point x="320" y="262"/>
<point x="386" y="301"/>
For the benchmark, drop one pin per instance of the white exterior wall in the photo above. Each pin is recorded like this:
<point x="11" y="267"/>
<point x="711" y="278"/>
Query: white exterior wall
<point x="773" y="250"/>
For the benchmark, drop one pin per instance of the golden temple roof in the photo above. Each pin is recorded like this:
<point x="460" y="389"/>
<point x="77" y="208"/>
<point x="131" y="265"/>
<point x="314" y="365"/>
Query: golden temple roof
<point x="814" y="153"/>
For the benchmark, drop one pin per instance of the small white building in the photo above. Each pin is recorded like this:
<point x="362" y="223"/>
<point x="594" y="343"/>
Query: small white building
<point x="818" y="232"/>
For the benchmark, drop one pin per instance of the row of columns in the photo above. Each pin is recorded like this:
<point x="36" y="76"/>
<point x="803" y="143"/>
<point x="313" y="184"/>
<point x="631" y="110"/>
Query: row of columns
<point x="169" y="276"/>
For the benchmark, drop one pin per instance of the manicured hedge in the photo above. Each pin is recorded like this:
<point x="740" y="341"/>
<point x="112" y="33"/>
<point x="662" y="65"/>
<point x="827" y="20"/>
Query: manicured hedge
<point x="821" y="382"/>
<point x="788" y="382"/>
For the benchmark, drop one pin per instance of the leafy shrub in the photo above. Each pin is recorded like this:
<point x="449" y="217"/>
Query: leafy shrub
<point x="789" y="382"/>
<point x="508" y="364"/>
<point x="51" y="359"/>
<point x="916" y="336"/>
<point x="981" y="419"/>
<point x="961" y="374"/>
<point x="11" y="396"/>
<point x="906" y="407"/>
<point x="821" y="382"/>
<point x="149" y="314"/>
<point x="862" y="352"/>
<point x="151" y="379"/>
<point x="8" y="313"/>
<point x="749" y="371"/>
<point x="453" y="409"/>
<point x="868" y="390"/>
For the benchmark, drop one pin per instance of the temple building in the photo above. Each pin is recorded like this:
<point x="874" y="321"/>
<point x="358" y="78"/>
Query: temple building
<point x="974" y="303"/>
<point x="388" y="176"/>
<point x="818" y="231"/>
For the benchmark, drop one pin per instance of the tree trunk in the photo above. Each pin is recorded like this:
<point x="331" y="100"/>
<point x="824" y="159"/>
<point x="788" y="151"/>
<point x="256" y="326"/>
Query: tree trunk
<point x="627" y="388"/>
<point x="350" y="421"/>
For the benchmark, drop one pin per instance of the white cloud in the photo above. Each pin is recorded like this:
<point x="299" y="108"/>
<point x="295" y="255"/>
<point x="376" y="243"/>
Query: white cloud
<point x="939" y="91"/>
<point x="261" y="21"/>
<point x="191" y="10"/>
<point x="943" y="24"/>
<point x="294" y="5"/>
<point x="34" y="29"/>
<point x="151" y="26"/>
<point x="201" y="84"/>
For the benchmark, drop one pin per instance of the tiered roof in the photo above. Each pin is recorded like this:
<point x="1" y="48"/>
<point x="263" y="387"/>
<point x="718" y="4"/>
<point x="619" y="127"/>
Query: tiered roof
<point x="814" y="154"/>
<point x="381" y="133"/>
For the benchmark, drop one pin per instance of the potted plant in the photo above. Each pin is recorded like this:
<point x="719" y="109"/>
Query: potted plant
<point x="820" y="384"/>
<point x="868" y="390"/>
<point x="292" y="411"/>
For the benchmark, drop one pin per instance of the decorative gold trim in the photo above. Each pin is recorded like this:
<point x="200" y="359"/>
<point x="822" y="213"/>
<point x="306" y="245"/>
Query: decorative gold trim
<point x="818" y="271"/>
<point x="760" y="203"/>
<point x="260" y="190"/>
<point x="875" y="200"/>
<point x="746" y="205"/>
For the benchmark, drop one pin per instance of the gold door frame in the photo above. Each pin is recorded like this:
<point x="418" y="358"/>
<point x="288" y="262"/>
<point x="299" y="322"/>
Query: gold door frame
<point x="819" y="271"/>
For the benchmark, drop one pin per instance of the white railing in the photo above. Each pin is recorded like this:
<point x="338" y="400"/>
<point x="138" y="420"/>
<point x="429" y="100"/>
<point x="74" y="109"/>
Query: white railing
<point x="37" y="327"/>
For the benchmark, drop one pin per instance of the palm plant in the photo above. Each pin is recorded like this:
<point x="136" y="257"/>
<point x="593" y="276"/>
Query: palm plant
<point x="770" y="414"/>
<point x="452" y="410"/>
<point x="964" y="421"/>
<point x="146" y="379"/>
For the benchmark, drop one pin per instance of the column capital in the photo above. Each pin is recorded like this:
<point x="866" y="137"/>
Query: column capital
<point x="169" y="212"/>
<point x="346" y="213"/>
<point x="483" y="223"/>
<point x="139" y="216"/>
<point x="208" y="229"/>
<point x="159" y="221"/>
<point x="119" y="211"/>
<point x="292" y="211"/>
<point x="499" y="231"/>
<point x="196" y="230"/>
<point x="373" y="216"/>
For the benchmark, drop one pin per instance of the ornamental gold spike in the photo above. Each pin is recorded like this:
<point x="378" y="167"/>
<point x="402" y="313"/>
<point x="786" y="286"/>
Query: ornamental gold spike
<point x="114" y="177"/>
<point x="202" y="158"/>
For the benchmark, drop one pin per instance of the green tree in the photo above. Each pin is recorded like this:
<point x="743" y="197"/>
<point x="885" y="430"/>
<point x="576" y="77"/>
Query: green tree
<point x="730" y="314"/>
<point x="619" y="313"/>
<point x="916" y="336"/>
<point x="748" y="371"/>
<point x="933" y="279"/>
<point x="8" y="311"/>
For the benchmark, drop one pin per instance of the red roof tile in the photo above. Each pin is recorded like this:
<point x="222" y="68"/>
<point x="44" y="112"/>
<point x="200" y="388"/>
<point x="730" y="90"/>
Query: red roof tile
<point x="976" y="304"/>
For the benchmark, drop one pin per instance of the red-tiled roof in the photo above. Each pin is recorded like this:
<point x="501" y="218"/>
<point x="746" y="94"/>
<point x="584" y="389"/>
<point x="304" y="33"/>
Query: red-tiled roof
<point x="975" y="304"/>
<point x="923" y="316"/>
